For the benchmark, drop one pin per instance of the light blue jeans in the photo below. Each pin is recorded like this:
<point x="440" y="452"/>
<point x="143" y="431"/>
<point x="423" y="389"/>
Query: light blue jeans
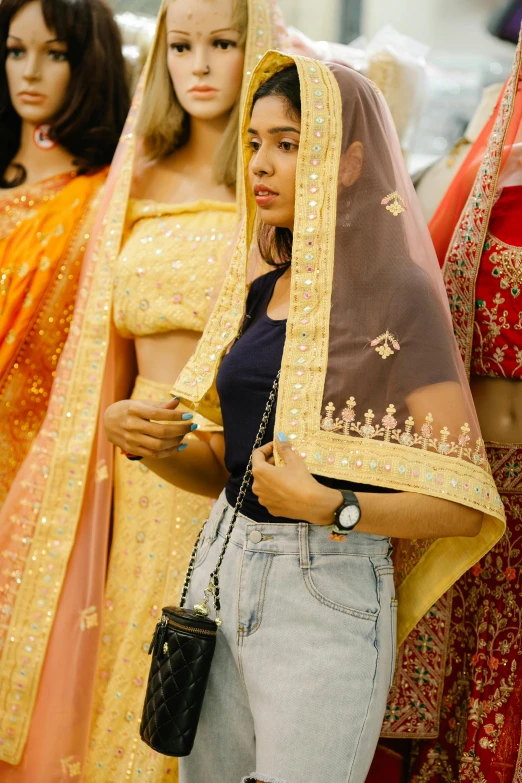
<point x="304" y="658"/>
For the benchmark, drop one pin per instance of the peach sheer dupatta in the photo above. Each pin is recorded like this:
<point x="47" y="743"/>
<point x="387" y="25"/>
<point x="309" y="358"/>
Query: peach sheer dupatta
<point x="372" y="386"/>
<point x="54" y="529"/>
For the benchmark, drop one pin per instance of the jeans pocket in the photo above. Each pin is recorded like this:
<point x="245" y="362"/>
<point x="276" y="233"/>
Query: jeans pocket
<point x="394" y="604"/>
<point x="205" y="542"/>
<point x="346" y="583"/>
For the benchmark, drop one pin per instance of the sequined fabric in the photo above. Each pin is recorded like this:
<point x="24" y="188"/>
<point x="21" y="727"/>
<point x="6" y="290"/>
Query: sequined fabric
<point x="155" y="526"/>
<point x="497" y="336"/>
<point x="481" y="712"/>
<point x="166" y="271"/>
<point x="44" y="229"/>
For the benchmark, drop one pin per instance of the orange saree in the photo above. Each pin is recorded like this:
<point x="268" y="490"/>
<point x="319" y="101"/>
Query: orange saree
<point x="43" y="231"/>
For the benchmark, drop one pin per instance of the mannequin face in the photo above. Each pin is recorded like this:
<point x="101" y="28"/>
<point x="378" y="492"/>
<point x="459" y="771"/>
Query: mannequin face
<point x="204" y="59"/>
<point x="37" y="68"/>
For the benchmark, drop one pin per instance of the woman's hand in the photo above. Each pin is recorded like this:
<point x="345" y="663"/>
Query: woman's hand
<point x="291" y="491"/>
<point x="147" y="429"/>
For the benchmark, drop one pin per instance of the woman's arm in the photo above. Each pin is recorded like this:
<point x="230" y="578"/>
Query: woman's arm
<point x="199" y="468"/>
<point x="291" y="491"/>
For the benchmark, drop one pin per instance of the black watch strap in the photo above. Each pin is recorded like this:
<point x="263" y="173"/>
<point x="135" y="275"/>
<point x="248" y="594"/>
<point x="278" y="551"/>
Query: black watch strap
<point x="349" y="499"/>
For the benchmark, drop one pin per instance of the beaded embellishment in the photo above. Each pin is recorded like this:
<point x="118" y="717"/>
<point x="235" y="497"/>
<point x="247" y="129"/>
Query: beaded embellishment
<point x="386" y="344"/>
<point x="507" y="264"/>
<point x="388" y="431"/>
<point x="397" y="205"/>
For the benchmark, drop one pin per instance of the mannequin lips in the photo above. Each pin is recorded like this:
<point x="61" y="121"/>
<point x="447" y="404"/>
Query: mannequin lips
<point x="264" y="195"/>
<point x="32" y="97"/>
<point x="203" y="92"/>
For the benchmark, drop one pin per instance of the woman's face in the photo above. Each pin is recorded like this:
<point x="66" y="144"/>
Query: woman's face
<point x="37" y="67"/>
<point x="204" y="59"/>
<point x="274" y="139"/>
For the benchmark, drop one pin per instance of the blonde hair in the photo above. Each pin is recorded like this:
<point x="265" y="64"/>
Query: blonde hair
<point x="164" y="124"/>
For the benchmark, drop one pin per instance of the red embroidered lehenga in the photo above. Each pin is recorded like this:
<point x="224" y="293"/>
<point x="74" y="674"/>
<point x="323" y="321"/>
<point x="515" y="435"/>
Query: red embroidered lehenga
<point x="480" y="243"/>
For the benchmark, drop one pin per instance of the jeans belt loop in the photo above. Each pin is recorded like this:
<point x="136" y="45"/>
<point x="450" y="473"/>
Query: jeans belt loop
<point x="304" y="553"/>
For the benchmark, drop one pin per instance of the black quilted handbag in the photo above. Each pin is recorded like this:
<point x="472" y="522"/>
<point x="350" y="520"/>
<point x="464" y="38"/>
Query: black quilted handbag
<point x="183" y="647"/>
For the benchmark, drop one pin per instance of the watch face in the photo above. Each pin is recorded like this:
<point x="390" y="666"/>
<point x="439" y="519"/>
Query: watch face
<point x="349" y="516"/>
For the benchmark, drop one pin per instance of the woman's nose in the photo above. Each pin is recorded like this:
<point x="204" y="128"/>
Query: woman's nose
<point x="261" y="165"/>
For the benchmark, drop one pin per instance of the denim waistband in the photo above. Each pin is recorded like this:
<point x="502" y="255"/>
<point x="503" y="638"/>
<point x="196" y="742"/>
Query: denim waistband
<point x="288" y="538"/>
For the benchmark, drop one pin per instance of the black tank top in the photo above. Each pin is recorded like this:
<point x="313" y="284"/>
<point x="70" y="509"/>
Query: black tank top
<point x="244" y="382"/>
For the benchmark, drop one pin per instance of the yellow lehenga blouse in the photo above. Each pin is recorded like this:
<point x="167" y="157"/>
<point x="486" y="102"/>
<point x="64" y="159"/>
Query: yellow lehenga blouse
<point x="165" y="274"/>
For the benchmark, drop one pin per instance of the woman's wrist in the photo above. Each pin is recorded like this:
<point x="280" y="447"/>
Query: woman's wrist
<point x="323" y="504"/>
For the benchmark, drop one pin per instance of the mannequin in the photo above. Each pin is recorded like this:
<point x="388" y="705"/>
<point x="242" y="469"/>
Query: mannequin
<point x="63" y="103"/>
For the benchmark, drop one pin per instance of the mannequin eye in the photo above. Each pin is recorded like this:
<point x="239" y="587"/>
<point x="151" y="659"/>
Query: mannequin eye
<point x="179" y="48"/>
<point x="57" y="56"/>
<point x="15" y="52"/>
<point x="225" y="45"/>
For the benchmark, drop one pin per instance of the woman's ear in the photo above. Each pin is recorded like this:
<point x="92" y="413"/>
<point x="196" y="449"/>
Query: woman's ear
<point x="350" y="165"/>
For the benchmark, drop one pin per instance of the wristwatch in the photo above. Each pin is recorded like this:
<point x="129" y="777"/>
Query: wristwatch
<point x="348" y="515"/>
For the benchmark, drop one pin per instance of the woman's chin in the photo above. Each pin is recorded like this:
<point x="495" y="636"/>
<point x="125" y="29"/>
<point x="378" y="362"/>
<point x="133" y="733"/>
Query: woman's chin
<point x="274" y="220"/>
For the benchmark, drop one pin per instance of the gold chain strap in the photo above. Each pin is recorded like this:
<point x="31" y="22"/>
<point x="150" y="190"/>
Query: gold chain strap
<point x="213" y="586"/>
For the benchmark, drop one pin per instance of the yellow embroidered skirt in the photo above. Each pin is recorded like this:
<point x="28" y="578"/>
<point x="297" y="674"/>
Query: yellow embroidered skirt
<point x="155" y="526"/>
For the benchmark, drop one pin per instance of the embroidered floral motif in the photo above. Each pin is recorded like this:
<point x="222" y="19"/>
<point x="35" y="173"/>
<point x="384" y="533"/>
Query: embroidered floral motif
<point x="386" y="344"/>
<point x="497" y="348"/>
<point x="397" y="205"/>
<point x="388" y="431"/>
<point x="102" y="471"/>
<point x="481" y="712"/>
<point x="507" y="264"/>
<point x="71" y="766"/>
<point x="88" y="618"/>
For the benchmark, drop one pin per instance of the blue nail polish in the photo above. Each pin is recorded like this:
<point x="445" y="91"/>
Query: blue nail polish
<point x="183" y="446"/>
<point x="187" y="416"/>
<point x="282" y="437"/>
<point x="193" y="427"/>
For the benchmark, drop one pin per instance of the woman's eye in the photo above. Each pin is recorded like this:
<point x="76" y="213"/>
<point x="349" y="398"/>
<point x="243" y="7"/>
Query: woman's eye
<point x="288" y="146"/>
<point x="254" y="145"/>
<point x="179" y="47"/>
<point x="15" y="52"/>
<point x="59" y="57"/>
<point x="225" y="45"/>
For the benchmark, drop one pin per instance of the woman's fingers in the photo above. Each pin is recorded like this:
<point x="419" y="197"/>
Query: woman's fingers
<point x="155" y="411"/>
<point x="160" y="431"/>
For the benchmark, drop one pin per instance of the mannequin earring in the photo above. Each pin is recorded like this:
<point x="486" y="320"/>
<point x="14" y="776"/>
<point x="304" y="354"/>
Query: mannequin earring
<point x="42" y="139"/>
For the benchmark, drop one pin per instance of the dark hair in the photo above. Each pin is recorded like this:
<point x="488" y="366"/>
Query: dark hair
<point x="97" y="101"/>
<point x="275" y="244"/>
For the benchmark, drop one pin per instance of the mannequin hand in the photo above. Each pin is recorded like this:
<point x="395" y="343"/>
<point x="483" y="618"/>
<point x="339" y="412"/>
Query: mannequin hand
<point x="134" y="426"/>
<point x="291" y="491"/>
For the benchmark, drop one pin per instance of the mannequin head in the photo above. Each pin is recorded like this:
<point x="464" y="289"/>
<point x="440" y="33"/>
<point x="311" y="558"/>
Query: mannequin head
<point x="201" y="44"/>
<point x="61" y="65"/>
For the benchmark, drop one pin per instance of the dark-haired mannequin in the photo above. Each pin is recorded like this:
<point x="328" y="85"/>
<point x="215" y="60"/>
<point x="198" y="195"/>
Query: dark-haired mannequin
<point x="38" y="74"/>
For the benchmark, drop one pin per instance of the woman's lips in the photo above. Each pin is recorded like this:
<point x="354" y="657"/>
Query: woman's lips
<point x="264" y="196"/>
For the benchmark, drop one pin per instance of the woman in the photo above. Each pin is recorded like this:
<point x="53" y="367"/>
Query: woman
<point x="354" y="311"/>
<point x="63" y="102"/>
<point x="478" y="237"/>
<point x="180" y="220"/>
<point x="62" y="112"/>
